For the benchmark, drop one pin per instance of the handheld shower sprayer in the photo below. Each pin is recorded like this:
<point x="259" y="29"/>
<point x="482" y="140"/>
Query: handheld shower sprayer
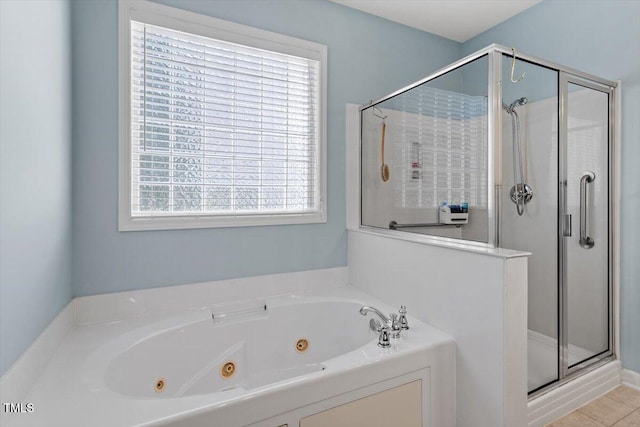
<point x="517" y="103"/>
<point x="520" y="193"/>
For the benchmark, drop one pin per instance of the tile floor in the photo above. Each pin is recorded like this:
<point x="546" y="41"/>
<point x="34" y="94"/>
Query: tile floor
<point x="618" y="408"/>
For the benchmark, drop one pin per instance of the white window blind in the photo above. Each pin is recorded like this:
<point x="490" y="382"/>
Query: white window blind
<point x="221" y="129"/>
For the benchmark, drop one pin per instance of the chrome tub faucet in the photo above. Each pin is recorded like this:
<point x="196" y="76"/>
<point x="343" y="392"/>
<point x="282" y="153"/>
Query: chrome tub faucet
<point x="387" y="327"/>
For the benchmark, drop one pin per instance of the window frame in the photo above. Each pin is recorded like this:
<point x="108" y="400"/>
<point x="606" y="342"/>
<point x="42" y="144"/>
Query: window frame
<point x="207" y="26"/>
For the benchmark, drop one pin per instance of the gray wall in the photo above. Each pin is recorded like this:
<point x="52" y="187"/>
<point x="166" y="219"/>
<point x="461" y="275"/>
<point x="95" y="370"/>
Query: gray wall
<point x="368" y="57"/>
<point x="35" y="170"/>
<point x="602" y="38"/>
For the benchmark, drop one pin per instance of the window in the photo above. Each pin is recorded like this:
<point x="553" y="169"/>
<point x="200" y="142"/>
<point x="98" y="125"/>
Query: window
<point x="221" y="124"/>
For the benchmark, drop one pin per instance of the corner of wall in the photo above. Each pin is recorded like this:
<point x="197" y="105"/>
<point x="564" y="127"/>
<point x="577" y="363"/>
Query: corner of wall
<point x="35" y="270"/>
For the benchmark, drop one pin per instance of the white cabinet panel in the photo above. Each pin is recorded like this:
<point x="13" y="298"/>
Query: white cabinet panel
<point x="399" y="406"/>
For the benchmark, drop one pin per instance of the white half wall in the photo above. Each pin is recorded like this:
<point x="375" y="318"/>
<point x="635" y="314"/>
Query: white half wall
<point x="478" y="298"/>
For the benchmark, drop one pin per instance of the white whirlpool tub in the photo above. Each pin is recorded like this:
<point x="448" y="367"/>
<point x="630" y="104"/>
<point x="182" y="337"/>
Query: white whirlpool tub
<point x="269" y="362"/>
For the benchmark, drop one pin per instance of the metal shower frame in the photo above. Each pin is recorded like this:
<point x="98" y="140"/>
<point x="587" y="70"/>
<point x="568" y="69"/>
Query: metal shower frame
<point x="494" y="53"/>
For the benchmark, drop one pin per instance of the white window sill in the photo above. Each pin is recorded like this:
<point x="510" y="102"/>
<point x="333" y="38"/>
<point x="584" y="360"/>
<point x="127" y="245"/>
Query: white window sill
<point x="190" y="222"/>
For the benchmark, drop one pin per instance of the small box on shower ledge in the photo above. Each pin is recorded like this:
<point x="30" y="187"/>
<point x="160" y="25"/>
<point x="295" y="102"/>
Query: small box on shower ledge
<point x="454" y="214"/>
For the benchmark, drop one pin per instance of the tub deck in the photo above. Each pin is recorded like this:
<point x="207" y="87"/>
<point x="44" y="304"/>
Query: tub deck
<point x="73" y="391"/>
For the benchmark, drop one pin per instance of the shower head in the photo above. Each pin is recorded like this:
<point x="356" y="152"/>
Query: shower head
<point x="517" y="103"/>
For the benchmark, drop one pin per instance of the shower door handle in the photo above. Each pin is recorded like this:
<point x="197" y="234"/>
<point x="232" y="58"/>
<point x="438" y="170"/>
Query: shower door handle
<point x="567" y="226"/>
<point x="586" y="178"/>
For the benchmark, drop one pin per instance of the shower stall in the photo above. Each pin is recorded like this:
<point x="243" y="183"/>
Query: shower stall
<point x="503" y="149"/>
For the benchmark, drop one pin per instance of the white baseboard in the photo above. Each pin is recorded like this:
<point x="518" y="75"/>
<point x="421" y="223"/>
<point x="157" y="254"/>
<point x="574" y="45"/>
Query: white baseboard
<point x="574" y="394"/>
<point x="631" y="378"/>
<point x="17" y="382"/>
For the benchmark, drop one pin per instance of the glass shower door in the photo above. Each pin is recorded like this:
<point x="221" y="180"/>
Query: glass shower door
<point x="585" y="243"/>
<point x="530" y="137"/>
<point x="557" y="138"/>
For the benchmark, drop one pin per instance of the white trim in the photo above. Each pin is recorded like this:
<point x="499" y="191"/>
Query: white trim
<point x="17" y="382"/>
<point x="208" y="26"/>
<point x="631" y="379"/>
<point x="514" y="348"/>
<point x="124" y="110"/>
<point x="559" y="402"/>
<point x="203" y="221"/>
<point x="442" y="242"/>
<point x="617" y="138"/>
<point x="353" y="166"/>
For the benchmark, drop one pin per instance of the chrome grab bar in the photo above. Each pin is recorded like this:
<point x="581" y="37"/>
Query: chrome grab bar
<point x="393" y="225"/>
<point x="585" y="241"/>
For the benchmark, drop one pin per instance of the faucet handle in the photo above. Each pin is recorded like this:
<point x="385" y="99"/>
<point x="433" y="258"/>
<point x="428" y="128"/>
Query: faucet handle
<point x="404" y="324"/>
<point x="395" y="326"/>
<point x="383" y="338"/>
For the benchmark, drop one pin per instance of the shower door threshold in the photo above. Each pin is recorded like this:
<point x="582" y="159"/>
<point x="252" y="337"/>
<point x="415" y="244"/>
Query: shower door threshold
<point x="572" y="392"/>
<point x="595" y="363"/>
